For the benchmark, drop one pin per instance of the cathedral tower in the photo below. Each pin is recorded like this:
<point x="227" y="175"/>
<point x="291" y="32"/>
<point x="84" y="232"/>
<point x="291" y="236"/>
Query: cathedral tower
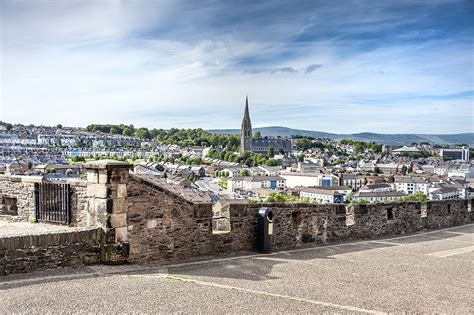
<point x="246" y="130"/>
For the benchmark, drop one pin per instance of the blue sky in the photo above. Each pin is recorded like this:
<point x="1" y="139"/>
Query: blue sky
<point x="336" y="66"/>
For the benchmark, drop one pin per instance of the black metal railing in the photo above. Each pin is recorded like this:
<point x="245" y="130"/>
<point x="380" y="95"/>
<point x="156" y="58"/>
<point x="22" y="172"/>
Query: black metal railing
<point x="53" y="203"/>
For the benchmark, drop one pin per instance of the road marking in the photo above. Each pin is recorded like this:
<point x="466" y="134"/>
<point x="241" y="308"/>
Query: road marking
<point x="264" y="293"/>
<point x="449" y="239"/>
<point x="459" y="233"/>
<point x="452" y="252"/>
<point x="386" y="243"/>
<point x="311" y="248"/>
<point x="136" y="268"/>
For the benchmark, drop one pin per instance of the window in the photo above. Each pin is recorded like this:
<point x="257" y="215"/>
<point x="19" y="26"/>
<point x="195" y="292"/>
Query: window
<point x="389" y="214"/>
<point x="8" y="205"/>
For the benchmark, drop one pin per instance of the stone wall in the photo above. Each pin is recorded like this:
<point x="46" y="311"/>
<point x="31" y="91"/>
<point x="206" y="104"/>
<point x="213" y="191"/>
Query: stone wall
<point x="99" y="202"/>
<point x="148" y="223"/>
<point x="79" y="204"/>
<point x="21" y="188"/>
<point x="45" y="251"/>
<point x="164" y="227"/>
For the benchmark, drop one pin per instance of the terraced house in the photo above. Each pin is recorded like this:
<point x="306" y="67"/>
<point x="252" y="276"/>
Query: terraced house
<point x="250" y="183"/>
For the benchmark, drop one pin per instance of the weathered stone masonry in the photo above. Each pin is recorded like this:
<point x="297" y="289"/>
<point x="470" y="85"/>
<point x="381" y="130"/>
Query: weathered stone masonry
<point x="165" y="227"/>
<point x="100" y="203"/>
<point x="139" y="221"/>
<point x="35" y="252"/>
<point x="22" y="189"/>
<point x="107" y="206"/>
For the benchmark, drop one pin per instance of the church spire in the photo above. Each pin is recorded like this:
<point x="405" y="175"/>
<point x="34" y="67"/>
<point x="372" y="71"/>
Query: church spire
<point x="246" y="130"/>
<point x="246" y="112"/>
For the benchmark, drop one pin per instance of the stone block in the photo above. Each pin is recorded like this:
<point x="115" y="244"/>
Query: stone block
<point x="100" y="206"/>
<point x="118" y="175"/>
<point x="238" y="210"/>
<point x="93" y="176"/>
<point x="120" y="205"/>
<point x="152" y="223"/>
<point x="97" y="190"/>
<point x="113" y="254"/>
<point x="154" y="212"/>
<point x="90" y="259"/>
<point x="103" y="177"/>
<point x="121" y="234"/>
<point x="203" y="210"/>
<point x="121" y="190"/>
<point x="118" y="220"/>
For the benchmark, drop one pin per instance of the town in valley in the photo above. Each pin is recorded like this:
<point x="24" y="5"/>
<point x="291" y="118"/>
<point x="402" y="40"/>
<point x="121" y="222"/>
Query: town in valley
<point x="247" y="167"/>
<point x="236" y="157"/>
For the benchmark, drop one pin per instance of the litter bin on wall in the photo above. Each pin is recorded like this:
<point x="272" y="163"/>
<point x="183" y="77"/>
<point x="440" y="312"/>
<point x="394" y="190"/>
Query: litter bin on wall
<point x="265" y="230"/>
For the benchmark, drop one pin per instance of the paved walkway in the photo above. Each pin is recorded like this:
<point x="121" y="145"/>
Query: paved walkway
<point x="423" y="273"/>
<point x="8" y="229"/>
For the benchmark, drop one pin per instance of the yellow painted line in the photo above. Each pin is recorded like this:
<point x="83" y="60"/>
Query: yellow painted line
<point x="452" y="252"/>
<point x="264" y="293"/>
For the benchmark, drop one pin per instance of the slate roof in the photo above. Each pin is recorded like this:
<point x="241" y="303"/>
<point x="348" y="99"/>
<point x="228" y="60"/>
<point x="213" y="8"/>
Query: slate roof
<point x="332" y="190"/>
<point x="275" y="143"/>
<point x="380" y="194"/>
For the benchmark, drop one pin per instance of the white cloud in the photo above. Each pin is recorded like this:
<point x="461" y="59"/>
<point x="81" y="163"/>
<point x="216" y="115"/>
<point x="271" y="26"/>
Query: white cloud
<point x="73" y="64"/>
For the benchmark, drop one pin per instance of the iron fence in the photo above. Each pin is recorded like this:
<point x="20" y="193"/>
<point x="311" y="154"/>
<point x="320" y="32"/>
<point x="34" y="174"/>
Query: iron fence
<point x="53" y="203"/>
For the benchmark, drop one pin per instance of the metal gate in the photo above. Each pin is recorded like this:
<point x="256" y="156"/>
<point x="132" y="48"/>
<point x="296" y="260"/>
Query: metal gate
<point x="53" y="203"/>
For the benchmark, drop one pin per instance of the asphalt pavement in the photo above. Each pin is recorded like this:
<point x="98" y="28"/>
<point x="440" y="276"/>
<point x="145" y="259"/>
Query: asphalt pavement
<point x="428" y="272"/>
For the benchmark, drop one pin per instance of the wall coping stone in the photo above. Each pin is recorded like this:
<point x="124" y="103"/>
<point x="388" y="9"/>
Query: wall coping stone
<point x="22" y="178"/>
<point x="106" y="164"/>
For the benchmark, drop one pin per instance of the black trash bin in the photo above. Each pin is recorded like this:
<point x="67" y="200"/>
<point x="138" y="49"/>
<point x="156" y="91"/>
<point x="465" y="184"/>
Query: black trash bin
<point x="265" y="230"/>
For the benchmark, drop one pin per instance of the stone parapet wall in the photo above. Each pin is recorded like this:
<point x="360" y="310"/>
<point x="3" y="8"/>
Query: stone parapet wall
<point x="165" y="228"/>
<point x="45" y="251"/>
<point x="144" y="222"/>
<point x="79" y="204"/>
<point x="21" y="188"/>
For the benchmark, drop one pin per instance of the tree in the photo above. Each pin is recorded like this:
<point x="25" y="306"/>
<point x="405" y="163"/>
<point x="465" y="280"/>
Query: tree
<point x="78" y="159"/>
<point x="404" y="170"/>
<point x="59" y="126"/>
<point x="303" y="143"/>
<point x="127" y="131"/>
<point x="143" y="133"/>
<point x="223" y="183"/>
<point x="271" y="152"/>
<point x="244" y="172"/>
<point x="271" y="163"/>
<point x="276" y="197"/>
<point x="114" y="130"/>
<point x="257" y="135"/>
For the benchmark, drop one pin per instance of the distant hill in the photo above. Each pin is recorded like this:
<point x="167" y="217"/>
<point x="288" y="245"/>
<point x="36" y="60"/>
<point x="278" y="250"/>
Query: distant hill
<point x="391" y="139"/>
